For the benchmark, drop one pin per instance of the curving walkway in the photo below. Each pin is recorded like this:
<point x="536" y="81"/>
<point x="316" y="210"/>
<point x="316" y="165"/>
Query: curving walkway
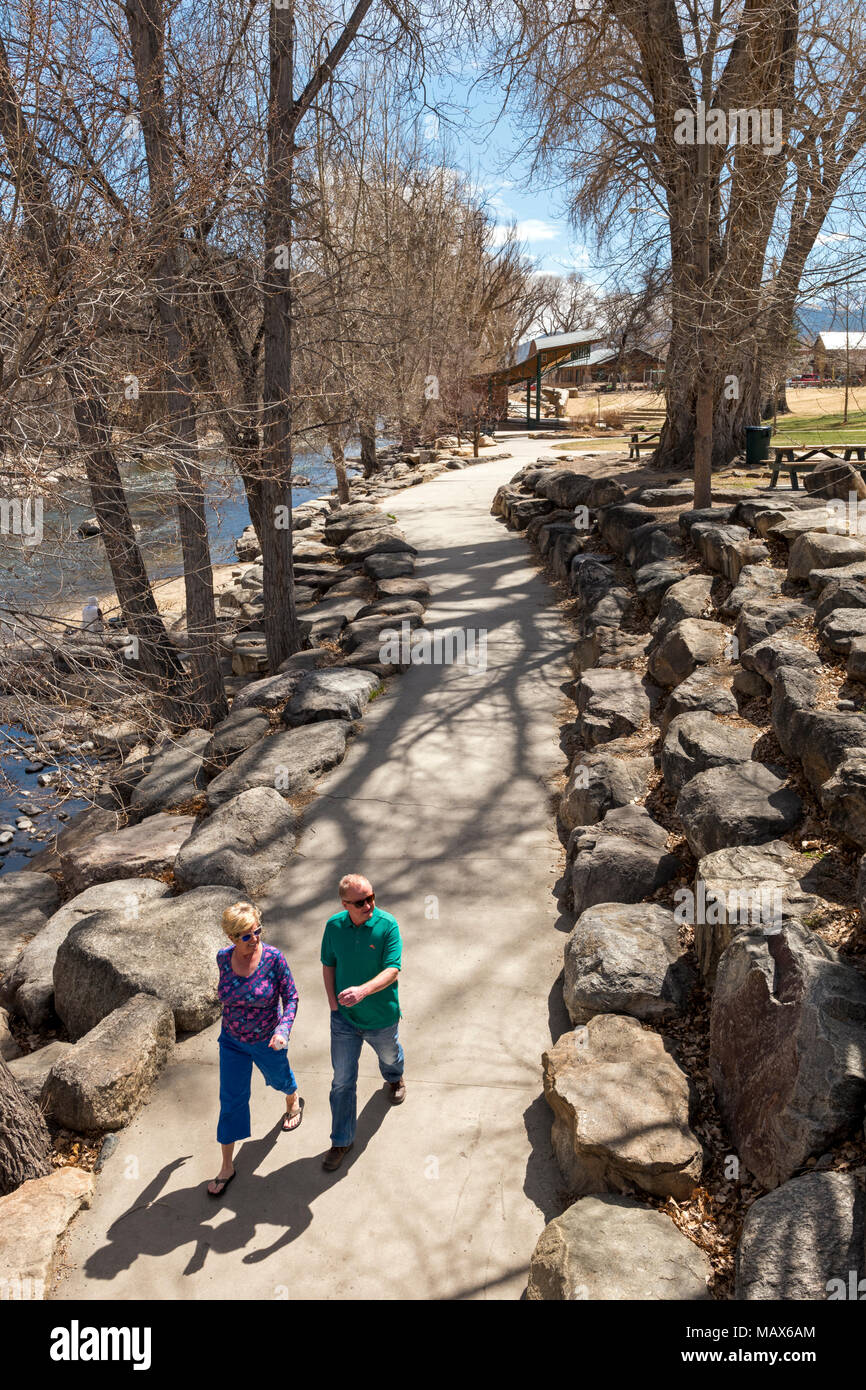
<point x="443" y="801"/>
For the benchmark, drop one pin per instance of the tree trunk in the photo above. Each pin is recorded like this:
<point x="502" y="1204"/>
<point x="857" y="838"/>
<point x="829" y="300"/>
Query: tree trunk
<point x="339" y="459"/>
<point x="280" y="622"/>
<point x="207" y="694"/>
<point x="25" y="1144"/>
<point x="369" y="462"/>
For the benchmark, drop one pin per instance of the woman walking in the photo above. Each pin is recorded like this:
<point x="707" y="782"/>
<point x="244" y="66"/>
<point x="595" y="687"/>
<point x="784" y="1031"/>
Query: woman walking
<point x="254" y="978"/>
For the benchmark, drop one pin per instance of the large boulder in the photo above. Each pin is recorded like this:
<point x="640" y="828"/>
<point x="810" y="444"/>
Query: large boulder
<point x="843" y="797"/>
<point x="243" y="844"/>
<point x="31" y="1071"/>
<point x="625" y="959"/>
<point x="333" y="694"/>
<point x="269" y="693"/>
<point x="748" y="886"/>
<point x="32" y="1220"/>
<point x="382" y="541"/>
<point x="697" y="741"/>
<point x="842" y="626"/>
<point x="623" y="859"/>
<point x="408" y="588"/>
<point x="327" y="619"/>
<point x="707" y="689"/>
<point x="727" y="549"/>
<point x="290" y="762"/>
<point x="29" y="987"/>
<point x="830" y="739"/>
<point x="92" y="821"/>
<point x="101" y="1082"/>
<point x="610" y="1248"/>
<point x="234" y="735"/>
<point x="756" y="584"/>
<point x="621" y="1111"/>
<point x="612" y="704"/>
<point x="367" y="630"/>
<point x="787" y="1048"/>
<point x="744" y="803"/>
<point x="835" y="478"/>
<point x="804" y="1240"/>
<point x="601" y="780"/>
<point x="689" y="643"/>
<point x="26" y="902"/>
<point x="168" y="949"/>
<point x="176" y="775"/>
<point x="816" y="550"/>
<point x="394" y="566"/>
<point x="688" y="598"/>
<point x="144" y="850"/>
<point x="758" y="621"/>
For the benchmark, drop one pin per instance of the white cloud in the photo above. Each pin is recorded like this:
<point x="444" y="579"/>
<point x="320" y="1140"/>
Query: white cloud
<point x="531" y="229"/>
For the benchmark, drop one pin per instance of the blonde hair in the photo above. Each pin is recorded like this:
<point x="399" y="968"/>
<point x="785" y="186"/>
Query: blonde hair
<point x="350" y="881"/>
<point x="240" y="917"/>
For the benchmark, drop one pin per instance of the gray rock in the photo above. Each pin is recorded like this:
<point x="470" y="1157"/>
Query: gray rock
<point x="818" y="551"/>
<point x="847" y="594"/>
<point x="767" y="656"/>
<point x="756" y="584"/>
<point x="339" y="529"/>
<point x="32" y="1221"/>
<point x="144" y="850"/>
<point x="366" y="630"/>
<point x="237" y="732"/>
<point x="311" y="659"/>
<point x="385" y="567"/>
<point x="269" y="693"/>
<point x="290" y="762"/>
<point x="830" y="738"/>
<point x="696" y="741"/>
<point x="707" y="690"/>
<point x="835" y="478"/>
<point x="599" y="781"/>
<point x="612" y="704"/>
<point x="843" y="797"/>
<point x="652" y="542"/>
<point x="175" y="777"/>
<point x="749" y="886"/>
<point x="653" y="581"/>
<point x="688" y="598"/>
<point x="617" y="522"/>
<point x="842" y="626"/>
<point x="623" y="859"/>
<point x="29" y="987"/>
<point x="31" y="1071"/>
<point x="787" y="1048"/>
<point x="684" y="646"/>
<point x="168" y="949"/>
<point x="621" y="1110"/>
<point x="727" y="549"/>
<point x="626" y="960"/>
<point x="334" y="694"/>
<point x="26" y="902"/>
<point x="387" y="540"/>
<point x="327" y="619"/>
<point x="745" y="803"/>
<point x="758" y="621"/>
<point x="102" y="1081"/>
<point x="840" y="574"/>
<point x="92" y="821"/>
<point x="564" y="488"/>
<point x="750" y="685"/>
<point x="410" y="588"/>
<point x="801" y="1238"/>
<point x="387" y="607"/>
<point x="856" y="664"/>
<point x="611" y="1248"/>
<point x="244" y="844"/>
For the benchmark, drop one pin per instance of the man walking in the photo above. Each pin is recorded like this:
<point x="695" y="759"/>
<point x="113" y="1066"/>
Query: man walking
<point x="361" y="957"/>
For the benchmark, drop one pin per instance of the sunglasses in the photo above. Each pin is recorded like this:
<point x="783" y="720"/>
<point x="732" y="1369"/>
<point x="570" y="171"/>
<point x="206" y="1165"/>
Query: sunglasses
<point x="248" y="936"/>
<point x="360" y="902"/>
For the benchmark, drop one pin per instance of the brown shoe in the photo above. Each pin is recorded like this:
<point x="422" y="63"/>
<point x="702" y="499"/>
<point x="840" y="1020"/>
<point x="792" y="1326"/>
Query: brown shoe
<point x="398" y="1091"/>
<point x="335" y="1155"/>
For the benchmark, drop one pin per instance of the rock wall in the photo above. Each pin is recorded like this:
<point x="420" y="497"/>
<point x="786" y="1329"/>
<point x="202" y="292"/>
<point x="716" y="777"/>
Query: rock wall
<point x="714" y="817"/>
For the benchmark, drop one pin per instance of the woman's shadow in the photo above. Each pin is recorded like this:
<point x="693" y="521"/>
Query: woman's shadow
<point x="156" y="1225"/>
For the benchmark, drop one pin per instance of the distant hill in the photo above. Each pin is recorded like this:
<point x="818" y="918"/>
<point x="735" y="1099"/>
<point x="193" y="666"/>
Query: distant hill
<point x="814" y="319"/>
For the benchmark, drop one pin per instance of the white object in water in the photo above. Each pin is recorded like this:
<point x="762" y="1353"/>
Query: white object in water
<point x="91" y="614"/>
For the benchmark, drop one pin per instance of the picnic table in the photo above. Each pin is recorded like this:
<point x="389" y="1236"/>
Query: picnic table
<point x="794" y="459"/>
<point x="638" y="441"/>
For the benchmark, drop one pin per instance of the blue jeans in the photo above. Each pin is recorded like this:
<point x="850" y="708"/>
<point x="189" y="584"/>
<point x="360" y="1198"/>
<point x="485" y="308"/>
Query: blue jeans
<point x="346" y="1043"/>
<point x="236" y="1071"/>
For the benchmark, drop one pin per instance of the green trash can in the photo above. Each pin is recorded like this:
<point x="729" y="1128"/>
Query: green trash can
<point x="757" y="444"/>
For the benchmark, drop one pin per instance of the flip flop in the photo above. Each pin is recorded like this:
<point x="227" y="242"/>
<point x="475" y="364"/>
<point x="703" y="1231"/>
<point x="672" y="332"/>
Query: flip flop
<point x="225" y="1182"/>
<point x="288" y="1128"/>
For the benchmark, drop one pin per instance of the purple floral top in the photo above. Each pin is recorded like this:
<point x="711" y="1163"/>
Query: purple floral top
<point x="251" y="1005"/>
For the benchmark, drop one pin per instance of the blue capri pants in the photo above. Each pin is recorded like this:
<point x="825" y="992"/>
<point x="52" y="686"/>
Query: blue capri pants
<point x="236" y="1070"/>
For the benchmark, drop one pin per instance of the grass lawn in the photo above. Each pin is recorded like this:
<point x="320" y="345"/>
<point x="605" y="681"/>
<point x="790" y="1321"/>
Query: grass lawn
<point x="825" y="429"/>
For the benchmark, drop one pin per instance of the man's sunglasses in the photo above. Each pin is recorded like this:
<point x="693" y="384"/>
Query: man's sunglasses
<point x="360" y="902"/>
<point x="248" y="936"/>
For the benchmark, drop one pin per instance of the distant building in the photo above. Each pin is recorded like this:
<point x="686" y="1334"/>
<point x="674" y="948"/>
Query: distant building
<point x="831" y="351"/>
<point x="635" y="365"/>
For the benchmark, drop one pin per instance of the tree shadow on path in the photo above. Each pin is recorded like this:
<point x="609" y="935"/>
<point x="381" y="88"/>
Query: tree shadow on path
<point x="158" y="1224"/>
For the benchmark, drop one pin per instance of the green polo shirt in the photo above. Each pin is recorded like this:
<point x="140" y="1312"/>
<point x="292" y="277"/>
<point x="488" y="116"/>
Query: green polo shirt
<point x="359" y="953"/>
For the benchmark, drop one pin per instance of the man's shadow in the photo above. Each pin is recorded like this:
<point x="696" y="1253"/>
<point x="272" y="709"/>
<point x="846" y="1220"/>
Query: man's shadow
<point x="156" y="1225"/>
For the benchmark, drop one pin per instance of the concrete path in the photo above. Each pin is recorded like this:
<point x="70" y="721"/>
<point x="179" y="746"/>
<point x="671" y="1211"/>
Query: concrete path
<point x="443" y="802"/>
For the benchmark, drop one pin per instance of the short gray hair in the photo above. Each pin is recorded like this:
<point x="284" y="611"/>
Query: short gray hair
<point x="350" y="881"/>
